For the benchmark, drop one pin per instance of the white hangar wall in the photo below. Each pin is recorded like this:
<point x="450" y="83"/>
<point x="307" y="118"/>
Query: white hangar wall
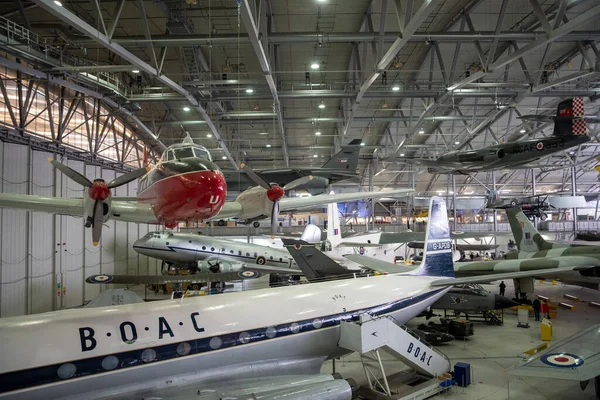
<point x="45" y="258"/>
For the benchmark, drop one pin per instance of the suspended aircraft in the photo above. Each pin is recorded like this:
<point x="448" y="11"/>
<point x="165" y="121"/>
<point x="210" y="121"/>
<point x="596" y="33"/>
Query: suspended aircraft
<point x="232" y="344"/>
<point x="570" y="130"/>
<point x="339" y="167"/>
<point x="185" y="185"/>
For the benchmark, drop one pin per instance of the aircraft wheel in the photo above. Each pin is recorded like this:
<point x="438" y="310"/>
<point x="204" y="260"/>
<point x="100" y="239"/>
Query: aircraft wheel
<point x="531" y="218"/>
<point x="256" y="224"/>
<point x="221" y="222"/>
<point x="513" y="203"/>
<point x="195" y="286"/>
<point x="260" y="260"/>
<point x="544" y="217"/>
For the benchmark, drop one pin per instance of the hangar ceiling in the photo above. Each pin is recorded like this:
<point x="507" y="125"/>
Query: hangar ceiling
<point x="260" y="78"/>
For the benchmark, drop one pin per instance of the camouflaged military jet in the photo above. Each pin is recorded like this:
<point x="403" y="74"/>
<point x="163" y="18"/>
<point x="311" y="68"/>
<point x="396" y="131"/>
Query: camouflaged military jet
<point x="570" y="130"/>
<point x="573" y="264"/>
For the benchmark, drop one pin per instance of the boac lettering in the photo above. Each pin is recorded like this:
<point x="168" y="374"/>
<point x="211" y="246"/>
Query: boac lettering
<point x="193" y="316"/>
<point x="163" y="327"/>
<point x="124" y="333"/>
<point x="86" y="336"/>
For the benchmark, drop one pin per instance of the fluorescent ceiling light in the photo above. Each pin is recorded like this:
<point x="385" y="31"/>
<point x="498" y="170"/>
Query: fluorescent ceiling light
<point x="315" y="155"/>
<point x="522" y="131"/>
<point x="208" y="135"/>
<point x="421" y="131"/>
<point x="315" y="65"/>
<point x="321" y="105"/>
<point x="249" y="90"/>
<point x="58" y="3"/>
<point x="268" y="145"/>
<point x="317" y="133"/>
<point x="401" y="154"/>
<point x="135" y="71"/>
<point x="224" y="158"/>
<point x="186" y="109"/>
<point x="396" y="88"/>
<point x="263" y="133"/>
<point x="362" y="143"/>
<point x="457" y="142"/>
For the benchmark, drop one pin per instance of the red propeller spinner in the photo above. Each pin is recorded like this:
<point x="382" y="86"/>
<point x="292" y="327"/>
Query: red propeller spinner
<point x="99" y="190"/>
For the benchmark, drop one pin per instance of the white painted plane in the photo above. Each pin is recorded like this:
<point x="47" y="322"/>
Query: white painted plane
<point x="271" y="340"/>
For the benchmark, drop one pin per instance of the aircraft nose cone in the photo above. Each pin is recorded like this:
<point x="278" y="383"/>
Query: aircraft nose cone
<point x="501" y="302"/>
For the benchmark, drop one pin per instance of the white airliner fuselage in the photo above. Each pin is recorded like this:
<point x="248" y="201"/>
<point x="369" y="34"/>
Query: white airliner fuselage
<point x="276" y="331"/>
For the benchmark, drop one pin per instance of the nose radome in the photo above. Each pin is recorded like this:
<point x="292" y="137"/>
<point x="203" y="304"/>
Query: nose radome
<point x="501" y="302"/>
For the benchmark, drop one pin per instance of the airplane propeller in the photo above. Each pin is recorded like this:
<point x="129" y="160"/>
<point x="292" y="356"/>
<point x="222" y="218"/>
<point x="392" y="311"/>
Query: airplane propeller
<point x="98" y="191"/>
<point x="274" y="191"/>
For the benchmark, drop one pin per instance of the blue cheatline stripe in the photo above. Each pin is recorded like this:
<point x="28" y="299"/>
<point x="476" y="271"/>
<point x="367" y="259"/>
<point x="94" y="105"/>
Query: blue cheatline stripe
<point x="283" y="261"/>
<point x="128" y="359"/>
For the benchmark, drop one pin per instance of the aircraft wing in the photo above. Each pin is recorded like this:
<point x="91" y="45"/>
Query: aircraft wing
<point x="132" y="212"/>
<point x="378" y="265"/>
<point x="294" y="203"/>
<point x="574" y="358"/>
<point x="500" y="276"/>
<point x="358" y="244"/>
<point x="53" y="205"/>
<point x="405" y="237"/>
<point x="104" y="279"/>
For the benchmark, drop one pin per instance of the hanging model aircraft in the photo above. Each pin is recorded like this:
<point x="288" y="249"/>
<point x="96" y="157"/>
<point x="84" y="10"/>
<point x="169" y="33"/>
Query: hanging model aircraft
<point x="339" y="167"/>
<point x="570" y="130"/>
<point x="233" y="343"/>
<point x="185" y="185"/>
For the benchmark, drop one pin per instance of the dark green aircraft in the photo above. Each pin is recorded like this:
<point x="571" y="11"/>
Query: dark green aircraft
<point x="570" y="130"/>
<point x="341" y="166"/>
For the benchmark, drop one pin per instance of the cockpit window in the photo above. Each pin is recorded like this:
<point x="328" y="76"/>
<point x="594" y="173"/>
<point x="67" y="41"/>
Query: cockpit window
<point x="202" y="153"/>
<point x="183" y="152"/>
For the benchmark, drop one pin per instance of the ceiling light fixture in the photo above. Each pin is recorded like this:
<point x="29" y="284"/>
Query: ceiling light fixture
<point x="317" y="133"/>
<point x="314" y="65"/>
<point x="208" y="135"/>
<point x="224" y="158"/>
<point x="135" y="71"/>
<point x="396" y="88"/>
<point x="421" y="131"/>
<point x="401" y="154"/>
<point x="362" y="143"/>
<point x="268" y="145"/>
<point x="321" y="105"/>
<point x="249" y="90"/>
<point x="263" y="133"/>
<point x="186" y="109"/>
<point x="58" y="3"/>
<point x="456" y="142"/>
<point x="315" y="155"/>
<point x="522" y="130"/>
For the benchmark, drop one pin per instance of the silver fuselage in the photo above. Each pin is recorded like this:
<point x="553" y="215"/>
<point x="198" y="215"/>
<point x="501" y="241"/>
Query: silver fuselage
<point x="186" y="249"/>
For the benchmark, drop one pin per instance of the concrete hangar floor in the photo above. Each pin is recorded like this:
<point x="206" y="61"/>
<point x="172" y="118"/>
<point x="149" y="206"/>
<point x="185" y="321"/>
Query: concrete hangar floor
<point x="493" y="349"/>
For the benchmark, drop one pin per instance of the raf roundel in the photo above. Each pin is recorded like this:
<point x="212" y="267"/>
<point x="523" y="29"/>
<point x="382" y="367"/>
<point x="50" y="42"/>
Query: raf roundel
<point x="562" y="360"/>
<point x="101" y="278"/>
<point x="248" y="274"/>
<point x="539" y="146"/>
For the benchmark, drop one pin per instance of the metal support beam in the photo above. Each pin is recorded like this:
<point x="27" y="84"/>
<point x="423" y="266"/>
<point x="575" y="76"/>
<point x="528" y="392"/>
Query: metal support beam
<point x="537" y="9"/>
<point x="266" y="69"/>
<point x="415" y="22"/>
<point x="115" y="18"/>
<point x="88" y="30"/>
<point x="492" y="51"/>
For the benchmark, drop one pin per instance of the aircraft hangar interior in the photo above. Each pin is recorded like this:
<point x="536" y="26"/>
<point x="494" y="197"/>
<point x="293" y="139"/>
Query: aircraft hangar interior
<point x="299" y="199"/>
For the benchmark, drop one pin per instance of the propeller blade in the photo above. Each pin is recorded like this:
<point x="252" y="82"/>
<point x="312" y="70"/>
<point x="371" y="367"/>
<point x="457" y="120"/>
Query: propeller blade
<point x="128" y="177"/>
<point x="98" y="219"/>
<point x="259" y="180"/>
<point x="71" y="173"/>
<point x="274" y="217"/>
<point x="298" y="182"/>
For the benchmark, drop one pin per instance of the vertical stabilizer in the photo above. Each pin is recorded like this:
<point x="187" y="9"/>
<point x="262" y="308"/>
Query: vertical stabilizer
<point x="346" y="159"/>
<point x="334" y="233"/>
<point x="570" y="118"/>
<point x="526" y="236"/>
<point x="437" y="257"/>
<point x="314" y="264"/>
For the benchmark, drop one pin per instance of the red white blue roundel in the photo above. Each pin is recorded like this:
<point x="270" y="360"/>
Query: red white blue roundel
<point x="248" y="274"/>
<point x="562" y="360"/>
<point x="101" y="278"/>
<point x="361" y="251"/>
<point x="539" y="146"/>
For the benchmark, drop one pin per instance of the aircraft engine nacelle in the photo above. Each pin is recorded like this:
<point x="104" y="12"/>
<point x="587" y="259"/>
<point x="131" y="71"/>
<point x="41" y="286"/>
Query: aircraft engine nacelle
<point x="255" y="203"/>
<point x="215" y="266"/>
<point x="88" y="208"/>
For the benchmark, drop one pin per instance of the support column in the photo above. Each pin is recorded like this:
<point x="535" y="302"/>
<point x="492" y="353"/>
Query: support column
<point x="454" y="202"/>
<point x="574" y="190"/>
<point x="533" y="192"/>
<point x="495" y="224"/>
<point x="372" y="201"/>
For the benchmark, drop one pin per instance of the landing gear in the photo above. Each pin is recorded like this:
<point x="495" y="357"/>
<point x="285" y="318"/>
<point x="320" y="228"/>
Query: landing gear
<point x="256" y="224"/>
